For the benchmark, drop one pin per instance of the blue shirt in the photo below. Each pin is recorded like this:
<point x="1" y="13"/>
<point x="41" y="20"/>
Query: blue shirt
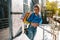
<point x="35" y="18"/>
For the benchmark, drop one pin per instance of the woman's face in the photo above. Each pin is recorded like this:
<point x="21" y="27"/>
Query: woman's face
<point x="36" y="10"/>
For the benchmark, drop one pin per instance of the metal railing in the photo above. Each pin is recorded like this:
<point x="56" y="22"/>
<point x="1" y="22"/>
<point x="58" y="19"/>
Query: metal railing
<point x="3" y="18"/>
<point x="47" y="31"/>
<point x="43" y="31"/>
<point x="57" y="25"/>
<point x="3" y="22"/>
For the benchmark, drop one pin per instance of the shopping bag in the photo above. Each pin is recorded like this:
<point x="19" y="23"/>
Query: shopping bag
<point x="23" y="36"/>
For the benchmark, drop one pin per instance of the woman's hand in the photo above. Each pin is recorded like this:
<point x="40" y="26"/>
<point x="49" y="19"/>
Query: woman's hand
<point x="35" y="24"/>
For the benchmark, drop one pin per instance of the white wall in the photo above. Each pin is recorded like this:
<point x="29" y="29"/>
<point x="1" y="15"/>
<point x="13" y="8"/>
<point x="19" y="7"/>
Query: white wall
<point x="17" y="5"/>
<point x="16" y="23"/>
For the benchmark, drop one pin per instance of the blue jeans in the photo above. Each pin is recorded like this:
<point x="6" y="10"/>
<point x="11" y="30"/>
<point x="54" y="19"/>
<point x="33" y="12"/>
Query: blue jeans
<point x="31" y="32"/>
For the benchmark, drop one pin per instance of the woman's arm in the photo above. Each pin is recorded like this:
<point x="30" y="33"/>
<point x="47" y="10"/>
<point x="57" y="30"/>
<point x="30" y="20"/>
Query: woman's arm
<point x="41" y="20"/>
<point x="30" y="18"/>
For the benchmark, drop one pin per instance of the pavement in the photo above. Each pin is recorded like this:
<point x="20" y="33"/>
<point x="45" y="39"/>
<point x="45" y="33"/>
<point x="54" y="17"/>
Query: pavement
<point x="4" y="34"/>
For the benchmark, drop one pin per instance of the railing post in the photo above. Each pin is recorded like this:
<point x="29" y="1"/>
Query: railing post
<point x="55" y="37"/>
<point x="48" y="32"/>
<point x="10" y="20"/>
<point x="43" y="34"/>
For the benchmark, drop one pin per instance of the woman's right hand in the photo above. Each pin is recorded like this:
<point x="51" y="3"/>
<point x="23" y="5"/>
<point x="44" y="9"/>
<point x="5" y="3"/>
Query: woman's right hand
<point x="34" y="24"/>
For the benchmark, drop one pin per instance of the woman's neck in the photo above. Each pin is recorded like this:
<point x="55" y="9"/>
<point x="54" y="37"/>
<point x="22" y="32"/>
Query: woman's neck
<point x="36" y="14"/>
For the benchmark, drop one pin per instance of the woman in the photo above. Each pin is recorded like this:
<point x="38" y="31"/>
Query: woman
<point x="34" y="20"/>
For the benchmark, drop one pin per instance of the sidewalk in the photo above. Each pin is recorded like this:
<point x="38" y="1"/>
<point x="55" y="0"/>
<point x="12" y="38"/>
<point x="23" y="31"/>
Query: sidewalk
<point x="4" y="34"/>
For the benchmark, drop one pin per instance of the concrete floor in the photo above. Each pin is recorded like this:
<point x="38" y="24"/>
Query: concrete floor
<point x="4" y="34"/>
